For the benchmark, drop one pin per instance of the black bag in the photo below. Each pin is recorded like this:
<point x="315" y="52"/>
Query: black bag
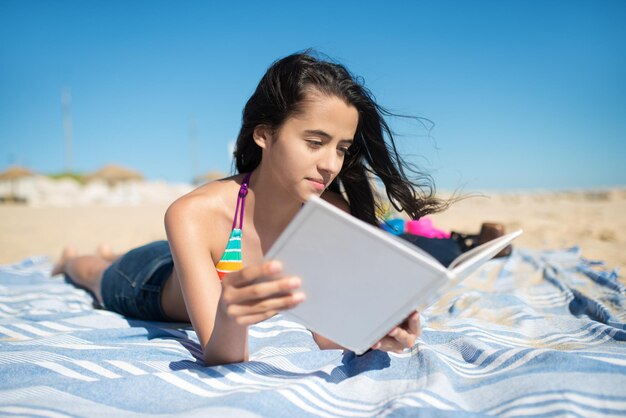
<point x="445" y="250"/>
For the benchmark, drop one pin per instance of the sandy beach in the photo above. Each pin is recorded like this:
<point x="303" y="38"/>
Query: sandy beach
<point x="595" y="220"/>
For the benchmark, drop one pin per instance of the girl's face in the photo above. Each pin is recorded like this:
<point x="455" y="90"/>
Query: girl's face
<point x="306" y="154"/>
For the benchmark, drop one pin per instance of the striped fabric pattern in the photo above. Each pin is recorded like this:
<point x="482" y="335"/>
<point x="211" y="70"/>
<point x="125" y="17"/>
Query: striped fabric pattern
<point x="231" y="259"/>
<point x="541" y="333"/>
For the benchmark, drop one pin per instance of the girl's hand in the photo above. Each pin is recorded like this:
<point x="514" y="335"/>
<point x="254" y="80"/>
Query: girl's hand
<point x="255" y="293"/>
<point x="401" y="337"/>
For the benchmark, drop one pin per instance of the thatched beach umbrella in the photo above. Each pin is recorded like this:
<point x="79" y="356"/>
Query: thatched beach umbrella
<point x="12" y="175"/>
<point x="113" y="174"/>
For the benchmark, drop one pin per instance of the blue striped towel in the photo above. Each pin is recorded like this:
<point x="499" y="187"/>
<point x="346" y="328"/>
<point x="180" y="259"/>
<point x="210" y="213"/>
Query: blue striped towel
<point x="541" y="333"/>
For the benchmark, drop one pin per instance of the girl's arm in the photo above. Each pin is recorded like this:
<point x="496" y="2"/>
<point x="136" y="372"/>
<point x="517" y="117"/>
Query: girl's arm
<point x="221" y="312"/>
<point x="190" y="242"/>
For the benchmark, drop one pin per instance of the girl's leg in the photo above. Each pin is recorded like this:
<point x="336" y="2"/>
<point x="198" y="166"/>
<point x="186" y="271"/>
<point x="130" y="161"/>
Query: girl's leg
<point x="105" y="252"/>
<point x="84" y="271"/>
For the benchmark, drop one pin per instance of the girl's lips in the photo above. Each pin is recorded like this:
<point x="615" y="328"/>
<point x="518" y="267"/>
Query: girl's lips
<point x="316" y="184"/>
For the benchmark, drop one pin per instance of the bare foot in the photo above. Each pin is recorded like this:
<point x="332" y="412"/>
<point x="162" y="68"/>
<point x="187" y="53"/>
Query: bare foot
<point x="59" y="267"/>
<point x="105" y="252"/>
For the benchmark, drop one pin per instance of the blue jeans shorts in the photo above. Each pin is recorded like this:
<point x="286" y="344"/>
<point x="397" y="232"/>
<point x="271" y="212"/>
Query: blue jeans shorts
<point x="132" y="285"/>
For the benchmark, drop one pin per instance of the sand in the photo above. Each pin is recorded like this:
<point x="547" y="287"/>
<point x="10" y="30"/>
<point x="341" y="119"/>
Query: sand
<point x="595" y="220"/>
<point x="27" y="231"/>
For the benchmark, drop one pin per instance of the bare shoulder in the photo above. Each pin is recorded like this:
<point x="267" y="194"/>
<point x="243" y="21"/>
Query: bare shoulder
<point x="336" y="199"/>
<point x="205" y="207"/>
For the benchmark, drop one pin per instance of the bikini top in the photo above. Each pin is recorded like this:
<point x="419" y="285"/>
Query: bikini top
<point x="231" y="259"/>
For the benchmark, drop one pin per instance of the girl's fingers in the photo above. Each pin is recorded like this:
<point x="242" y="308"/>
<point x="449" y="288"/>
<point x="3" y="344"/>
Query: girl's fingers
<point x="248" y="275"/>
<point x="269" y="306"/>
<point x="258" y="291"/>
<point x="413" y="324"/>
<point x="255" y="293"/>
<point x="402" y="336"/>
<point x="389" y="344"/>
<point x="266" y="289"/>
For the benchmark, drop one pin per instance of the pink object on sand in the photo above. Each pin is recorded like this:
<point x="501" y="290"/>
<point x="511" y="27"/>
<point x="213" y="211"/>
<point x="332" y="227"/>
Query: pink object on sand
<point x="424" y="228"/>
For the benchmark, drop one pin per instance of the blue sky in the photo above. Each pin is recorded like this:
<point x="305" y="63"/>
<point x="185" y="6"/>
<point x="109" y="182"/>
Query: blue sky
<point x="523" y="94"/>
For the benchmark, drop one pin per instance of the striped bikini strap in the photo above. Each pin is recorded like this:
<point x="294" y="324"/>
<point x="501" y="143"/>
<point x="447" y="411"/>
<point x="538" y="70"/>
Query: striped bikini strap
<point x="241" y="201"/>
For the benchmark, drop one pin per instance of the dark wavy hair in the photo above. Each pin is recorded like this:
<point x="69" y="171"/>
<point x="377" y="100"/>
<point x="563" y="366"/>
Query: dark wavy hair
<point x="280" y="94"/>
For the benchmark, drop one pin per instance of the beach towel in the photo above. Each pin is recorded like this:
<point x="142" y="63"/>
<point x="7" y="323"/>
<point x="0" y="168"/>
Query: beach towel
<point x="539" y="333"/>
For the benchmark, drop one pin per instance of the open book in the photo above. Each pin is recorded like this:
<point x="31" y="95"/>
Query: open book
<point x="361" y="281"/>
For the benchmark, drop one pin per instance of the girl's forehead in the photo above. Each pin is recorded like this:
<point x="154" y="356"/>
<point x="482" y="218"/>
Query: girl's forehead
<point x="330" y="114"/>
<point x="327" y="107"/>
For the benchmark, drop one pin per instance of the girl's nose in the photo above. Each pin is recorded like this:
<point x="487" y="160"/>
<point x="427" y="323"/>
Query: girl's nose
<point x="331" y="161"/>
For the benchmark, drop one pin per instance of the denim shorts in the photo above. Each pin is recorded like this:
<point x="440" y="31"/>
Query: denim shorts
<point x="132" y="285"/>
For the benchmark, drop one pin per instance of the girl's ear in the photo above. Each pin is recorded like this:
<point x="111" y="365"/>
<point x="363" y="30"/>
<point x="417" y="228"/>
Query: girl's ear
<point x="262" y="135"/>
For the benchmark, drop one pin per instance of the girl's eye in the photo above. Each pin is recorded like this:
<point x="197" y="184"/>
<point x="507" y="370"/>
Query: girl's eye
<point x="314" y="144"/>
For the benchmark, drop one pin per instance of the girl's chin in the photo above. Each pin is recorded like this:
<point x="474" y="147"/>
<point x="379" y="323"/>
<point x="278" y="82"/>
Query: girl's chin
<point x="306" y="196"/>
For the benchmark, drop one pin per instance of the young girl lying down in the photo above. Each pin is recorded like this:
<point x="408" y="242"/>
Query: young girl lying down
<point x="309" y="128"/>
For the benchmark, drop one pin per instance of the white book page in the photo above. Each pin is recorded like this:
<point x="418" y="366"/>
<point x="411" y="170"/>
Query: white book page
<point x="359" y="281"/>
<point x="469" y="261"/>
